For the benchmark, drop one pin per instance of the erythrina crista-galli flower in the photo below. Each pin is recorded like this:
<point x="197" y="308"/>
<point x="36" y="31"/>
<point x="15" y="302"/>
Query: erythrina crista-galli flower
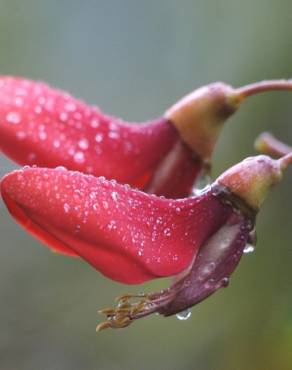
<point x="47" y="127"/>
<point x="133" y="237"/>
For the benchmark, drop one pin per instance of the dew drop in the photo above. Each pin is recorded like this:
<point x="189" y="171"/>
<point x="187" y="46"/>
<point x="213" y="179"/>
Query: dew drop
<point x="94" y="123"/>
<point x="18" y="101"/>
<point x="21" y="135"/>
<point x="42" y="135"/>
<point x="83" y="144"/>
<point x="56" y="143"/>
<point x="61" y="168"/>
<point x="70" y="107"/>
<point x="114" y="196"/>
<point x="225" y="282"/>
<point x="248" y="249"/>
<point x="63" y="116"/>
<point x="96" y="207"/>
<point x="184" y="315"/>
<point x="13" y="117"/>
<point x="79" y="157"/>
<point x="31" y="157"/>
<point x="113" y="135"/>
<point x="98" y="138"/>
<point x="66" y="207"/>
<point x="167" y="232"/>
<point x="112" y="225"/>
<point x="105" y="204"/>
<point x="38" y="109"/>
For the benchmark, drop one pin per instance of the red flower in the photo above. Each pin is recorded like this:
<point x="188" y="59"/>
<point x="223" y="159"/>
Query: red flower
<point x="133" y="237"/>
<point x="128" y="235"/>
<point x="47" y="127"/>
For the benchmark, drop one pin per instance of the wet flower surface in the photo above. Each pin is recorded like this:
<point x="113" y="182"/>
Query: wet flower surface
<point x="47" y="127"/>
<point x="128" y="235"/>
<point x="132" y="237"/>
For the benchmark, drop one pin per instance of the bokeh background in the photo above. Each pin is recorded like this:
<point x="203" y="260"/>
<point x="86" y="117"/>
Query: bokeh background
<point x="135" y="58"/>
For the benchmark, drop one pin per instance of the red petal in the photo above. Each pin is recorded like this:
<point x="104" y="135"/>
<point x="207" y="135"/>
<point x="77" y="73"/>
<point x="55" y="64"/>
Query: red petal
<point x="128" y="235"/>
<point x="176" y="174"/>
<point x="47" y="127"/>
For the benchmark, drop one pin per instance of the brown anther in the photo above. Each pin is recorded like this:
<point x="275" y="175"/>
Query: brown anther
<point x="107" y="311"/>
<point x="124" y="305"/>
<point x="103" y="325"/>
<point x="138" y="308"/>
<point x="123" y="309"/>
<point x="126" y="297"/>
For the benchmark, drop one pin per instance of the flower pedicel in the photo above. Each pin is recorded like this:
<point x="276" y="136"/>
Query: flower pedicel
<point x="132" y="237"/>
<point x="47" y="127"/>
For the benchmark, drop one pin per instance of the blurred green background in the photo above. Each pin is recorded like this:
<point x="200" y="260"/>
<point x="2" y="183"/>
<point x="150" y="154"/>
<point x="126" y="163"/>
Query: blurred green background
<point x="134" y="59"/>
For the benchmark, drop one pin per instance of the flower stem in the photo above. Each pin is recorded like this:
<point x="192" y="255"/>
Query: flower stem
<point x="264" y="86"/>
<point x="267" y="143"/>
<point x="286" y="161"/>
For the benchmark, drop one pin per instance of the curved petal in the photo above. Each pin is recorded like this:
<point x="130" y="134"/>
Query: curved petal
<point x="128" y="235"/>
<point x="48" y="127"/>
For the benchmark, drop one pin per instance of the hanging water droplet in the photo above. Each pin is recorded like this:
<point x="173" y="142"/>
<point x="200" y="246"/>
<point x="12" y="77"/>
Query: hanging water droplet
<point x="184" y="315"/>
<point x="225" y="282"/>
<point x="248" y="249"/>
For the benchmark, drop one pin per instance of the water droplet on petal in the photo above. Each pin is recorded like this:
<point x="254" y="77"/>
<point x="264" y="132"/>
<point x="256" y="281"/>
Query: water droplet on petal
<point x="105" y="204"/>
<point x="13" y="117"/>
<point x="114" y="196"/>
<point x="94" y="123"/>
<point x="113" y="135"/>
<point x="38" y="109"/>
<point x="31" y="157"/>
<point x="184" y="315"/>
<point x="42" y="135"/>
<point x="70" y="107"/>
<point x="248" y="249"/>
<point x="63" y="116"/>
<point x="79" y="157"/>
<point x="66" y="207"/>
<point x="98" y="138"/>
<point x="18" y="101"/>
<point x="167" y="232"/>
<point x="21" y="135"/>
<point x="61" y="168"/>
<point x="56" y="143"/>
<point x="83" y="144"/>
<point x="225" y="282"/>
